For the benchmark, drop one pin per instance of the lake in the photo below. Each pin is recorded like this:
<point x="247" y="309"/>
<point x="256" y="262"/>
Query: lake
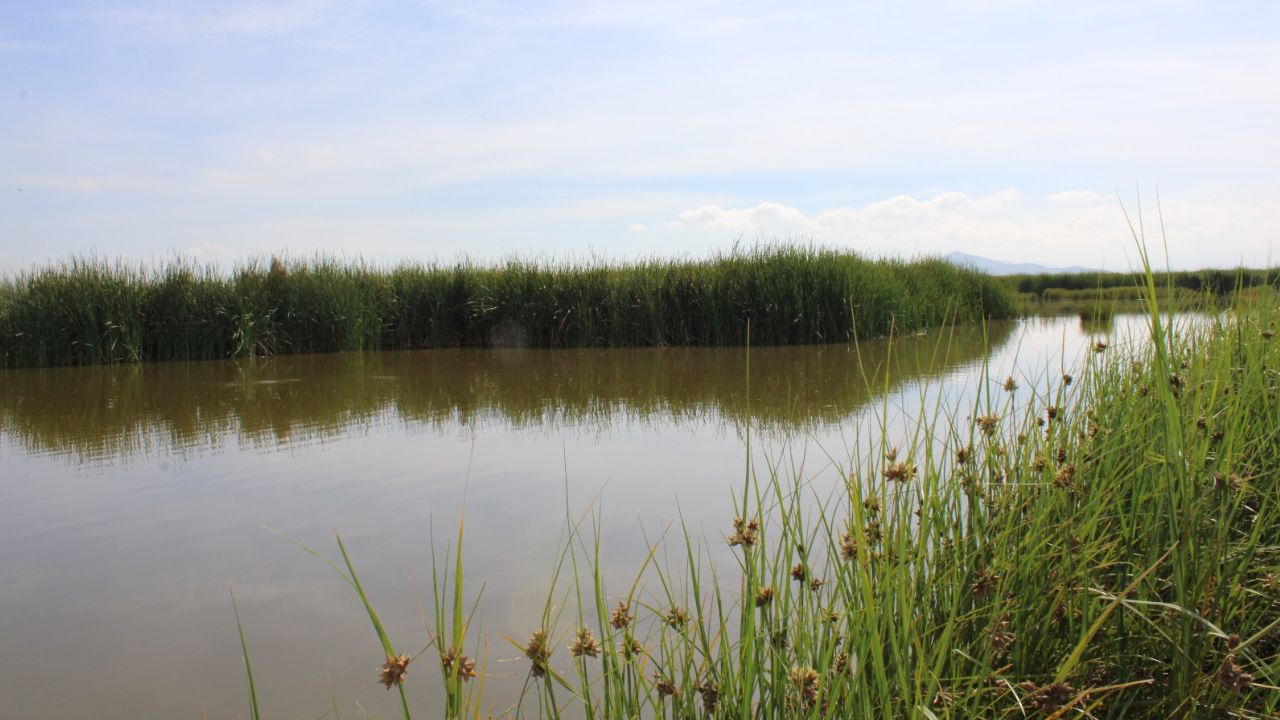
<point x="132" y="497"/>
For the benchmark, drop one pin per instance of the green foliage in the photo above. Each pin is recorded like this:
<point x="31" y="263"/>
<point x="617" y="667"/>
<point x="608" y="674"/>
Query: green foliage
<point x="1111" y="550"/>
<point x="1218" y="283"/>
<point x="92" y="311"/>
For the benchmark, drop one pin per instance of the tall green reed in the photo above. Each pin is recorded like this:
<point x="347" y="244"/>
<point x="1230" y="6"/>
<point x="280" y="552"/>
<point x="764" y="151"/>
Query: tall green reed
<point x="90" y="310"/>
<point x="1110" y="548"/>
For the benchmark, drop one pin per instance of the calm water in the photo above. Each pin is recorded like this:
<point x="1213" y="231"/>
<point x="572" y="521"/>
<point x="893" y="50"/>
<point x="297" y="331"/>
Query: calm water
<point x="132" y="497"/>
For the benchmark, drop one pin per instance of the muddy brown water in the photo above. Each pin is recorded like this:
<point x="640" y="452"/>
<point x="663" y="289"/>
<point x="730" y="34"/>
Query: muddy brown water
<point x="132" y="497"/>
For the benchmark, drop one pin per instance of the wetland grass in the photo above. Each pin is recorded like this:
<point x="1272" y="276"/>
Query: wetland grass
<point x="1109" y="549"/>
<point x="90" y="311"/>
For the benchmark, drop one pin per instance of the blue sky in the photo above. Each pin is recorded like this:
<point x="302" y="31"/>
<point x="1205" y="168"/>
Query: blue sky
<point x="431" y="130"/>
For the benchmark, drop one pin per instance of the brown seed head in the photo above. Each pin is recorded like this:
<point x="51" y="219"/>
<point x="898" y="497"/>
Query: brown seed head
<point x="466" y="667"/>
<point x="805" y="683"/>
<point x="676" y="617"/>
<point x="798" y="573"/>
<point x="710" y="695"/>
<point x="872" y="505"/>
<point x="848" y="546"/>
<point x="584" y="643"/>
<point x="1233" y="677"/>
<point x="1010" y="384"/>
<point x="900" y="471"/>
<point x="745" y="532"/>
<point x="987" y="424"/>
<point x="764" y="596"/>
<point x="630" y="647"/>
<point x="665" y="686"/>
<point x="1066" y="474"/>
<point x="962" y="455"/>
<point x="984" y="582"/>
<point x="621" y="616"/>
<point x="1000" y="636"/>
<point x="1051" y="697"/>
<point x="873" y="532"/>
<point x="538" y="650"/>
<point x="393" y="670"/>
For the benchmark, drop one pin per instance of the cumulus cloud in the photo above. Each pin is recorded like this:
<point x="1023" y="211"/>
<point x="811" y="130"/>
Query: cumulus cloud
<point x="1077" y="227"/>
<point x="766" y="217"/>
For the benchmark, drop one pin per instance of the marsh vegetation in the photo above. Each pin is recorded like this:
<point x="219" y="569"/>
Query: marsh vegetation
<point x="90" y="311"/>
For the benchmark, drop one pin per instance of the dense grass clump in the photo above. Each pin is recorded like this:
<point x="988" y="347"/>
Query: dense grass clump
<point x="90" y="311"/>
<point x="1109" y="550"/>
<point x="1218" y="283"/>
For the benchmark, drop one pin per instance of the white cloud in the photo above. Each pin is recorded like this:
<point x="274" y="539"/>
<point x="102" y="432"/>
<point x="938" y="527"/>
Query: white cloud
<point x="1077" y="197"/>
<point x="767" y="217"/>
<point x="1066" y="228"/>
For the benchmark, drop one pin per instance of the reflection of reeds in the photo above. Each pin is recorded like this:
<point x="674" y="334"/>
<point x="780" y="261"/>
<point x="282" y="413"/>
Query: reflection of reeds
<point x="97" y="413"/>
<point x="1118" y="560"/>
<point x="90" y="311"/>
<point x="1098" y="319"/>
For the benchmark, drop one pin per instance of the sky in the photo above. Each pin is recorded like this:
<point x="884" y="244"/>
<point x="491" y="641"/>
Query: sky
<point x="431" y="131"/>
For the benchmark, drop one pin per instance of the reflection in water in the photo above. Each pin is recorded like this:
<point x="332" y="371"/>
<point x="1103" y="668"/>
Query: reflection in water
<point x="1097" y="323"/>
<point x="102" y="413"/>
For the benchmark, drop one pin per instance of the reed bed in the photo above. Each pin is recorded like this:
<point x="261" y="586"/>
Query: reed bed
<point x="1221" y="283"/>
<point x="91" y="311"/>
<point x="1110" y="549"/>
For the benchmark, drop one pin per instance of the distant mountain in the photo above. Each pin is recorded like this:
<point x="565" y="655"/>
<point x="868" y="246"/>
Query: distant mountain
<point x="997" y="267"/>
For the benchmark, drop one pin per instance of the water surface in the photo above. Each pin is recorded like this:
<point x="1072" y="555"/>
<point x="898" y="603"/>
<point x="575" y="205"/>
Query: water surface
<point x="132" y="496"/>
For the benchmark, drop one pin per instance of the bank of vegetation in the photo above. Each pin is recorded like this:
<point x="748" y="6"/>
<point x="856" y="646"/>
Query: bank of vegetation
<point x="1196" y="290"/>
<point x="89" y="311"/>
<point x="1218" y="282"/>
<point x="1109" y="550"/>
